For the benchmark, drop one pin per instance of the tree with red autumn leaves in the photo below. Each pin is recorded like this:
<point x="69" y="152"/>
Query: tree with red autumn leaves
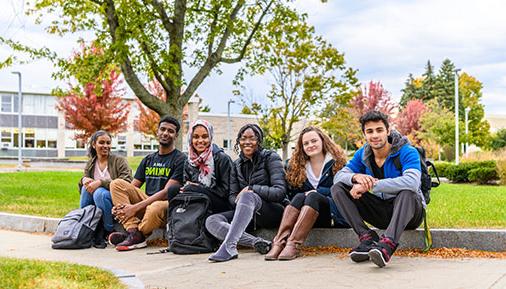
<point x="98" y="107"/>
<point x="94" y="102"/>
<point x="408" y="120"/>
<point x="373" y="97"/>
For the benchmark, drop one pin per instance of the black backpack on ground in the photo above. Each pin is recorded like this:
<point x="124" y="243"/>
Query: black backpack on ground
<point x="186" y="229"/>
<point x="426" y="180"/>
<point x="78" y="228"/>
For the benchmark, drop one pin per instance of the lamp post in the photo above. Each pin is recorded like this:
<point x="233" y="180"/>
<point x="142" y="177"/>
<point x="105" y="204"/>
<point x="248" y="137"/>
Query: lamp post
<point x="20" y="123"/>
<point x="466" y="115"/>
<point x="457" y="116"/>
<point x="228" y="124"/>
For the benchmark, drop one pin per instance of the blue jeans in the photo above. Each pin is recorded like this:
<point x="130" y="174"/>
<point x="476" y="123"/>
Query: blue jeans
<point x="102" y="199"/>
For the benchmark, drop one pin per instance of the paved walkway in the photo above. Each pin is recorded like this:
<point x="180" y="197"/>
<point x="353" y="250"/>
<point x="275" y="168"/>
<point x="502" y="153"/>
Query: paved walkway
<point x="251" y="271"/>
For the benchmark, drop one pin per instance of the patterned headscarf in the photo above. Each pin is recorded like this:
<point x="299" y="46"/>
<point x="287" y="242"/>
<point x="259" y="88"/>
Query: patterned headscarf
<point x="203" y="161"/>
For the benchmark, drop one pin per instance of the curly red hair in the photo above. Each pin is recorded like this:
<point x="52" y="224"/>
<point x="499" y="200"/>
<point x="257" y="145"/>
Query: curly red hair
<point x="296" y="174"/>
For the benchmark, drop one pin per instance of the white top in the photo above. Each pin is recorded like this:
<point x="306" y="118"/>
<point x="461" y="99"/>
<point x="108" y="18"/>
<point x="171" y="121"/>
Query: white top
<point x="314" y="180"/>
<point x="99" y="174"/>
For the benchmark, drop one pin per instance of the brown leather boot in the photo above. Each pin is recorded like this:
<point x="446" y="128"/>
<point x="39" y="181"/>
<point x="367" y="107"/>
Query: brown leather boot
<point x="301" y="230"/>
<point x="290" y="216"/>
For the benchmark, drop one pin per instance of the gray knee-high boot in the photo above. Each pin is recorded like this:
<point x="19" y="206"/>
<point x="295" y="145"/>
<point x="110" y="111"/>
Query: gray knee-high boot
<point x="218" y="226"/>
<point x="242" y="217"/>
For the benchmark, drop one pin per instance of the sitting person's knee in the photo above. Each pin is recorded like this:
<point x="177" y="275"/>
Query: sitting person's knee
<point x="246" y="196"/>
<point x="117" y="183"/>
<point x="407" y="194"/>
<point x="339" y="189"/>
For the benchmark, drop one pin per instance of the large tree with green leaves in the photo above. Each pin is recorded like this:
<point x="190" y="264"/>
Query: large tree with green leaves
<point x="179" y="43"/>
<point x="470" y="95"/>
<point x="307" y="72"/>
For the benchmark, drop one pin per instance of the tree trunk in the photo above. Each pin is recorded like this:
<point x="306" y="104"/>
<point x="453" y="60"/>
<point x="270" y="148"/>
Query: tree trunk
<point x="285" y="151"/>
<point x="177" y="113"/>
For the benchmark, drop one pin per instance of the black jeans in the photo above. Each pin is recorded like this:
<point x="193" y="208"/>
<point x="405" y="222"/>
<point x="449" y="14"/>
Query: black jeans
<point x="404" y="212"/>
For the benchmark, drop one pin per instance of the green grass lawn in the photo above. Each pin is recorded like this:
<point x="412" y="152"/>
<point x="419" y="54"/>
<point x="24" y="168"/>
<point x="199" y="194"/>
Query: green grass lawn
<point x="53" y="194"/>
<point x="20" y="273"/>
<point x="467" y="206"/>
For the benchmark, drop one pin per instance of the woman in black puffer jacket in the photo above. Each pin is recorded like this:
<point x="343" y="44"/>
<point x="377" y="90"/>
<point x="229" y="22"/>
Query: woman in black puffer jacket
<point x="257" y="191"/>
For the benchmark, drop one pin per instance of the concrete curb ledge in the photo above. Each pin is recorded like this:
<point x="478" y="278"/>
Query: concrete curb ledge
<point x="473" y="239"/>
<point x="27" y="223"/>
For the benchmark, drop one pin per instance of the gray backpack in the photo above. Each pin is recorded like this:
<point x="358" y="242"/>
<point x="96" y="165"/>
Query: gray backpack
<point x="76" y="230"/>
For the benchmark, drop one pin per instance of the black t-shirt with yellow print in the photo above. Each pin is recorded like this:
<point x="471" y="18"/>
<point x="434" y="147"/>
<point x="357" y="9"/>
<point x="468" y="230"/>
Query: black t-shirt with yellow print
<point x="156" y="170"/>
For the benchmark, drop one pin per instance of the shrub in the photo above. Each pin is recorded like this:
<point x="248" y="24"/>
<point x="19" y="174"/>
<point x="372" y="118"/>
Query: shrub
<point x="457" y="173"/>
<point x="501" y="171"/>
<point x="483" y="175"/>
<point x="440" y="168"/>
<point x="460" y="173"/>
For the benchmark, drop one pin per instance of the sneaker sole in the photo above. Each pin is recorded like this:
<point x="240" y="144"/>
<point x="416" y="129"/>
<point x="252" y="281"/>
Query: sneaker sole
<point x="377" y="258"/>
<point x="118" y="239"/>
<point x="222" y="260"/>
<point x="132" y="247"/>
<point x="359" y="257"/>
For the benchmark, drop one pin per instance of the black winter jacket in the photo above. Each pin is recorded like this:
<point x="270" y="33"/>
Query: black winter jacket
<point x="267" y="177"/>
<point x="222" y="166"/>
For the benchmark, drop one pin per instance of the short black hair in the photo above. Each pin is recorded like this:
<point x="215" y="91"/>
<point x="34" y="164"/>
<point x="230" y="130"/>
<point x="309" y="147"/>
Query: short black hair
<point x="373" y="115"/>
<point x="257" y="130"/>
<point x="171" y="120"/>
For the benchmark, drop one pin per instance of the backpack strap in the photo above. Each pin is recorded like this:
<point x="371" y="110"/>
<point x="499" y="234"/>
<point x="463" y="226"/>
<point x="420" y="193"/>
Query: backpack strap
<point x="397" y="163"/>
<point x="430" y="164"/>
<point x="427" y="236"/>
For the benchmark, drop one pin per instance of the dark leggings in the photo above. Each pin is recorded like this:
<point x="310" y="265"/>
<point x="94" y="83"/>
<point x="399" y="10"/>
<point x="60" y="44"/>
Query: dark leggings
<point x="318" y="202"/>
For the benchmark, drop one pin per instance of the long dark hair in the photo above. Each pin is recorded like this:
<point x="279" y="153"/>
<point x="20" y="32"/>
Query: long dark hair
<point x="92" y="152"/>
<point x="256" y="130"/>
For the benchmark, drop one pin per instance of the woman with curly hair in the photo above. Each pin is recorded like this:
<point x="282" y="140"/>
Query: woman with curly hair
<point x="310" y="175"/>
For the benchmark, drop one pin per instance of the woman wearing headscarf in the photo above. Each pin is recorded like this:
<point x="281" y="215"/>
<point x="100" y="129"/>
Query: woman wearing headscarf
<point x="207" y="168"/>
<point x="257" y="190"/>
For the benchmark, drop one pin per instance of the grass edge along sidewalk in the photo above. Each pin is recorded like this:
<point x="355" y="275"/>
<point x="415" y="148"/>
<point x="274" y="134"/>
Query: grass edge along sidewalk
<point x="26" y="273"/>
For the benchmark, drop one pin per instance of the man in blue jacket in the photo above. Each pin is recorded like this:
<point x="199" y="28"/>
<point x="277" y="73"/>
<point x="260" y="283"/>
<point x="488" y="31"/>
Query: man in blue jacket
<point x="372" y="188"/>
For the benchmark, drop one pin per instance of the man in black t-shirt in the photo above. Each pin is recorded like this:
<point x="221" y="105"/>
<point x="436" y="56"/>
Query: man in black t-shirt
<point x="162" y="171"/>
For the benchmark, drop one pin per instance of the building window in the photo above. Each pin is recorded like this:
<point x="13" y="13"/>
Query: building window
<point x="6" y="136"/>
<point x="16" y="138"/>
<point x="41" y="143"/>
<point x="51" y="144"/>
<point x="6" y="103"/>
<point x="225" y="143"/>
<point x="80" y="144"/>
<point x="29" y="139"/>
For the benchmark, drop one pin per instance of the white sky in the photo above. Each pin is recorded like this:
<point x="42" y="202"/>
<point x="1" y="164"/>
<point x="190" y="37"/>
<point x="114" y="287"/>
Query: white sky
<point x="384" y="40"/>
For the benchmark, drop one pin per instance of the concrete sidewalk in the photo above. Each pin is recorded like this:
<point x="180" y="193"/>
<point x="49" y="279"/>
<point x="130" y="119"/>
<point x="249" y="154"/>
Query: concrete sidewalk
<point x="251" y="271"/>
